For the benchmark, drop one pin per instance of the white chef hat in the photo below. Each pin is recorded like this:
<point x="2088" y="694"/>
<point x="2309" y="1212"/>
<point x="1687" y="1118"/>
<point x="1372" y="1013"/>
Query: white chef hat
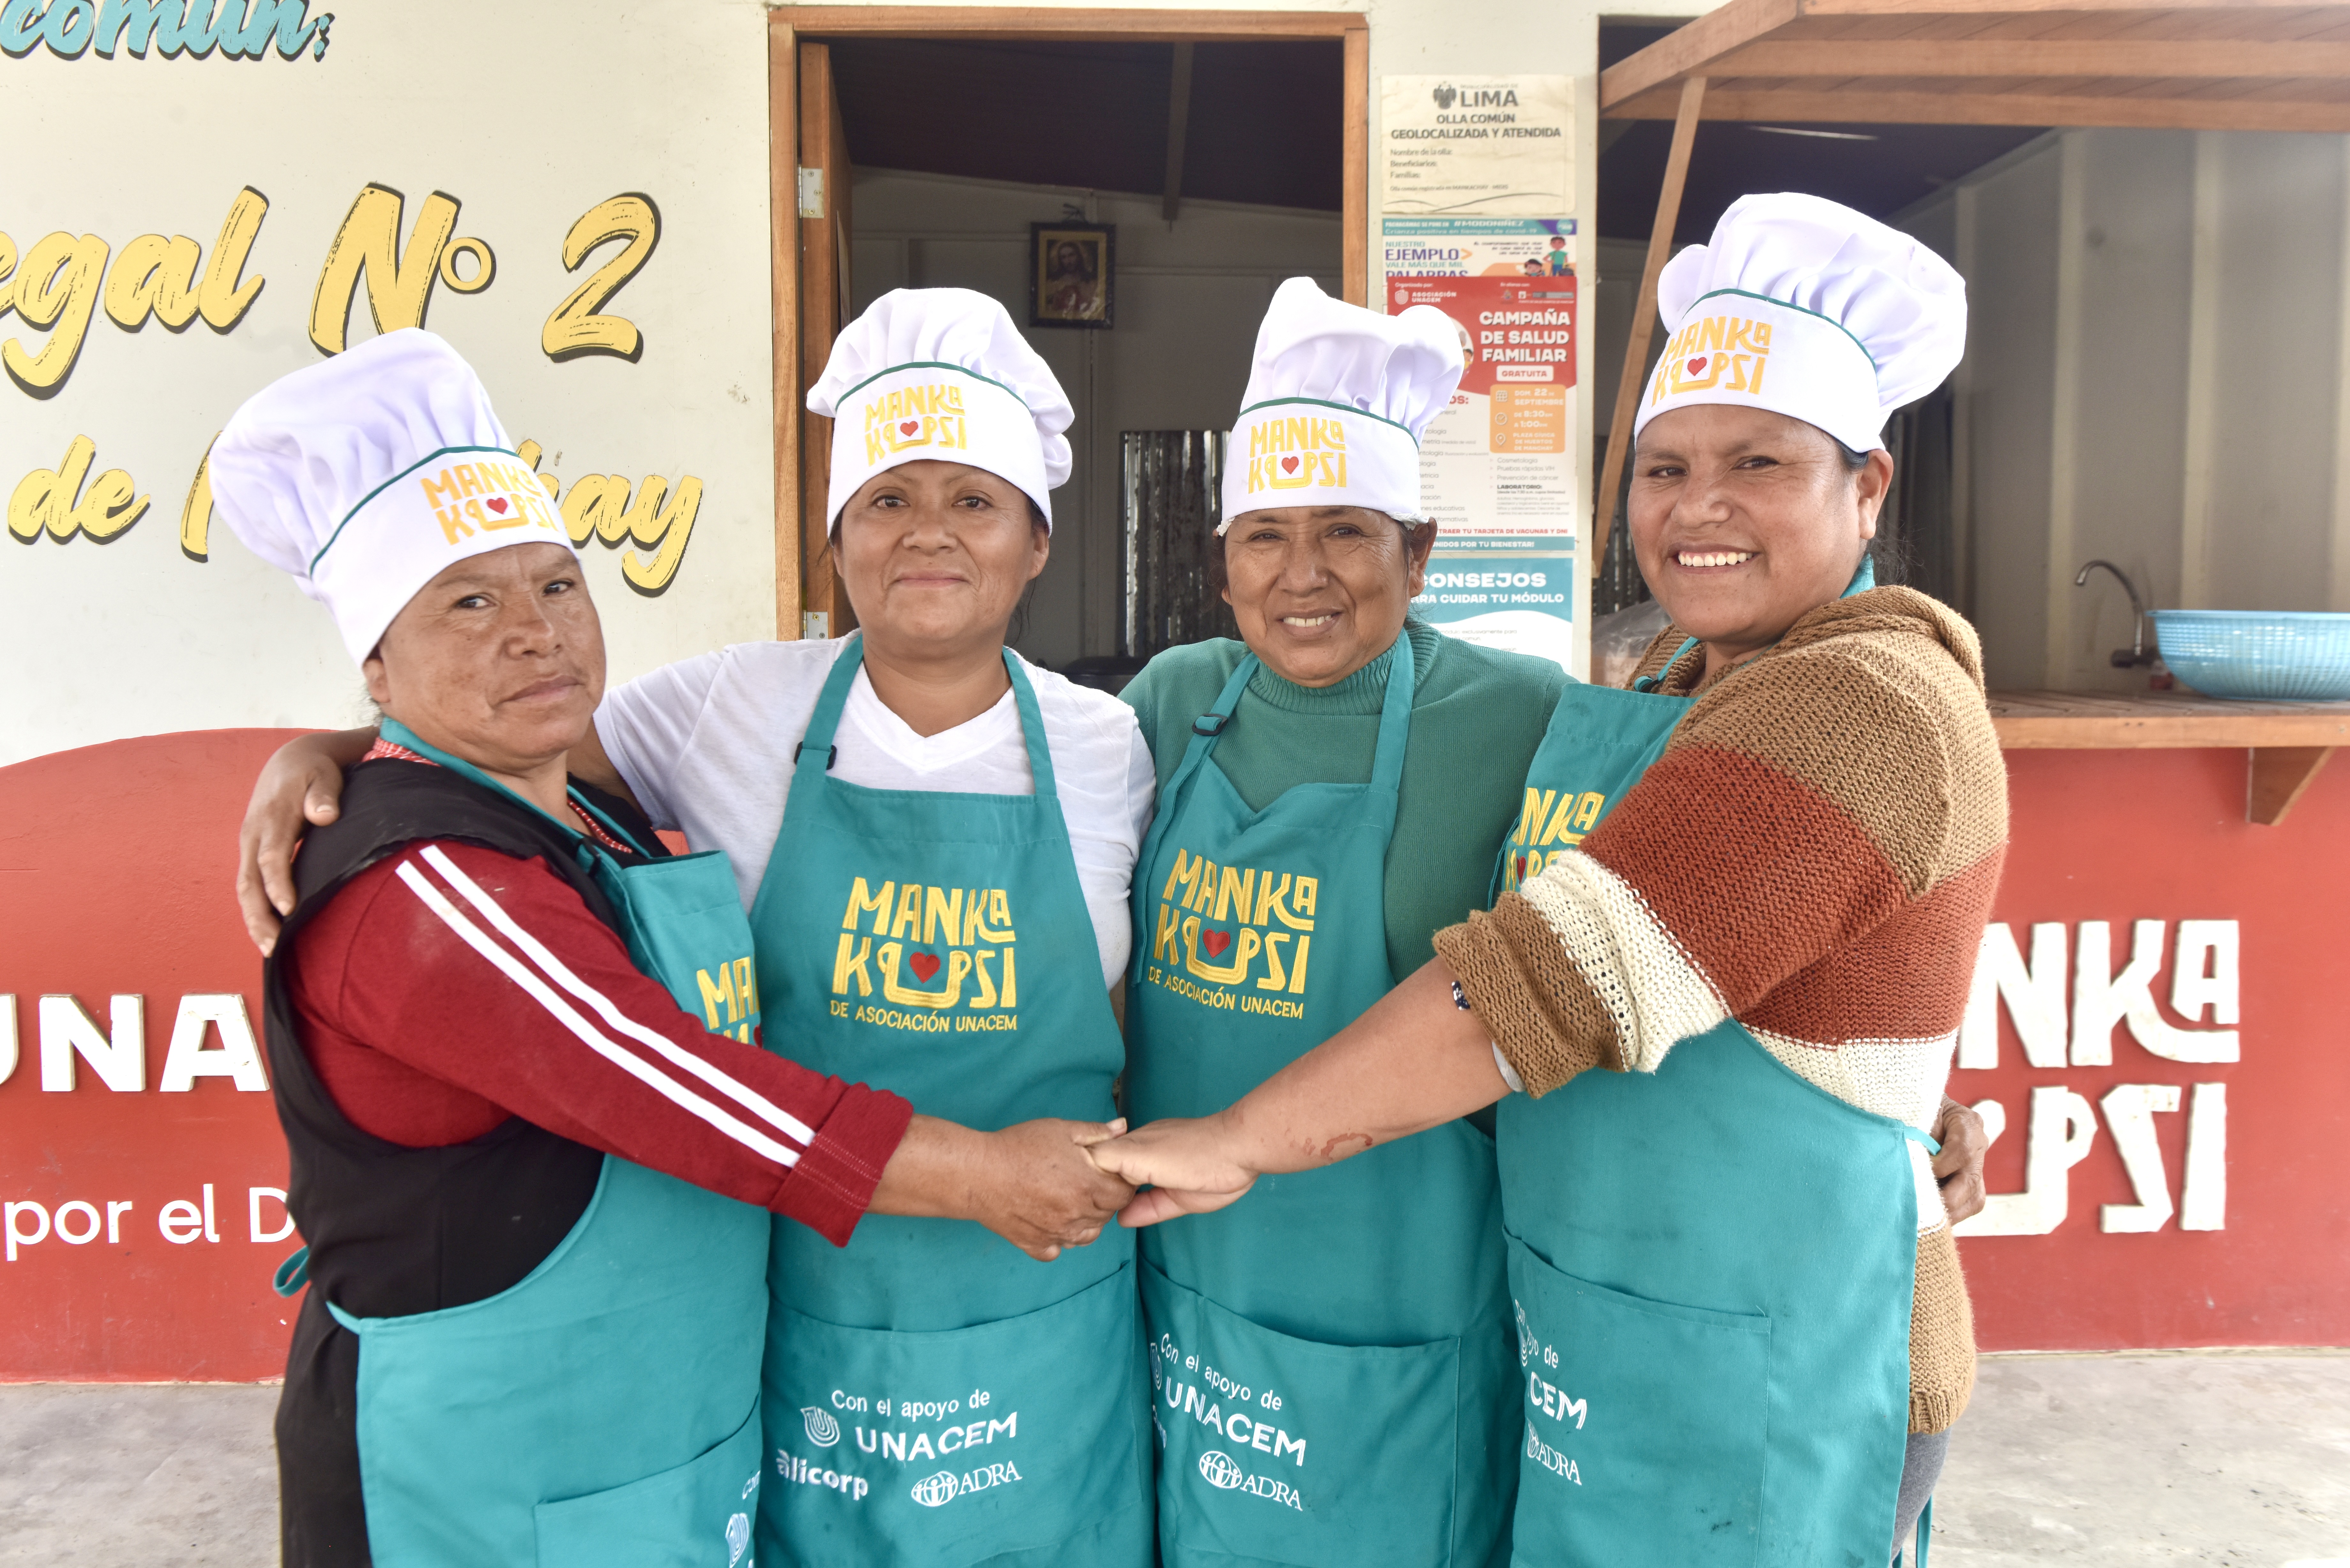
<point x="941" y="373"/>
<point x="1337" y="398"/>
<point x="365" y="477"/>
<point x="1808" y="309"/>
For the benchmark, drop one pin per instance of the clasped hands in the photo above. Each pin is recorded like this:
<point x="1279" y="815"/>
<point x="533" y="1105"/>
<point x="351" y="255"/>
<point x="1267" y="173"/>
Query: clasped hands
<point x="1049" y="1184"/>
<point x="1193" y="1165"/>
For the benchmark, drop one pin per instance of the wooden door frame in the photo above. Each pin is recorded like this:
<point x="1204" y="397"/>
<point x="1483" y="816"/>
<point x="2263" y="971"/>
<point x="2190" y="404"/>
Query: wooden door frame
<point x="786" y="24"/>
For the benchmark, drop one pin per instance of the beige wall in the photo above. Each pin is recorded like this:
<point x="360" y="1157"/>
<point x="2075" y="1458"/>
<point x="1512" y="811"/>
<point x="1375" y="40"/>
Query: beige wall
<point x="529" y="114"/>
<point x="2155" y="375"/>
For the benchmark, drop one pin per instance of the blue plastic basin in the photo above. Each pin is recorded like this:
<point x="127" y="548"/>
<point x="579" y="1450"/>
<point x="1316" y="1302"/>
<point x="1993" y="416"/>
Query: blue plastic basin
<point x="2276" y="656"/>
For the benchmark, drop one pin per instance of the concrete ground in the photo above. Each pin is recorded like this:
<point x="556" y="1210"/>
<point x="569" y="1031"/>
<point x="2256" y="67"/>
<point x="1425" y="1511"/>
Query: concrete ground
<point x="2236" y="1459"/>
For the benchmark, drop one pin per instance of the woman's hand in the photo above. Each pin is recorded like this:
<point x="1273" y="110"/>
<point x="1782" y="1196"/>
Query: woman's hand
<point x="300" y="785"/>
<point x="1191" y="1166"/>
<point x="1958" y="1169"/>
<point x="1032" y="1184"/>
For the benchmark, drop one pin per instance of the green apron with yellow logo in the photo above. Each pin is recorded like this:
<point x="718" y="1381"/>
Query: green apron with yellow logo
<point x="603" y="1413"/>
<point x="934" y="1396"/>
<point x="1331" y="1356"/>
<point x="1712" y="1268"/>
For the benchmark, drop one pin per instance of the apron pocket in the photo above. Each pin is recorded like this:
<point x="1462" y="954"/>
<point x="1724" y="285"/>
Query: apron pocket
<point x="1646" y="1425"/>
<point x="1272" y="1446"/>
<point x="951" y="1447"/>
<point x="695" y="1516"/>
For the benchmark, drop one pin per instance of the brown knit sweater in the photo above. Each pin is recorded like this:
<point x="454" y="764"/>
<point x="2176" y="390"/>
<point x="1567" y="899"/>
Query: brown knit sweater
<point x="1813" y="853"/>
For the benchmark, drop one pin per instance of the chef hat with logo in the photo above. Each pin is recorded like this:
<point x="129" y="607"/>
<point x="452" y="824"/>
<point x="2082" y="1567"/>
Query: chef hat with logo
<point x="1337" y="399"/>
<point x="1808" y="309"/>
<point x="365" y="477"/>
<point x="941" y="373"/>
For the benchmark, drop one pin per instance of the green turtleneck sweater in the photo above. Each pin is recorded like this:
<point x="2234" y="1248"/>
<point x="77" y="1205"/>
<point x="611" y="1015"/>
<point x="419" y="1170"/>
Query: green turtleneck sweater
<point x="1477" y="716"/>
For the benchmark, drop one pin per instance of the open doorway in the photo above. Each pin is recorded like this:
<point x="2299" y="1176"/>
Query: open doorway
<point x="1892" y="172"/>
<point x="1217" y="153"/>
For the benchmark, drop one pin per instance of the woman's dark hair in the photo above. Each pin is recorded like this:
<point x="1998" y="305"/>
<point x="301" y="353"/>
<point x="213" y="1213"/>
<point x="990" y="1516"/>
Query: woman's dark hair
<point x="1417" y="538"/>
<point x="1854" y="462"/>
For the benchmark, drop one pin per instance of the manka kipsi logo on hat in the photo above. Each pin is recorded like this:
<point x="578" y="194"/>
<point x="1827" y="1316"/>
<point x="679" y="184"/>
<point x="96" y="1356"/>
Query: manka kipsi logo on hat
<point x="1337" y="396"/>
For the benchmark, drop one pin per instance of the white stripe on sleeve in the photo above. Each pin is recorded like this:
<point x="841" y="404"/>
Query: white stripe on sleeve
<point x="734" y="1088"/>
<point x="668" y="1088"/>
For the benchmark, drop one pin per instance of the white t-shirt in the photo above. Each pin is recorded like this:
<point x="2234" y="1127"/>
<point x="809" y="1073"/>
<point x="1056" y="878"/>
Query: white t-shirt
<point x="706" y="745"/>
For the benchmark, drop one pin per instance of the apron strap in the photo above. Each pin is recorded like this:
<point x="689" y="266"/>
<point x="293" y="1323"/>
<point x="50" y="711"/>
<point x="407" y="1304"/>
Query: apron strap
<point x="1651" y="682"/>
<point x="1206" y="730"/>
<point x="1914" y="1135"/>
<point x="588" y="850"/>
<point x="816" y="749"/>
<point x="1395" y="720"/>
<point x="293" y="1273"/>
<point x="1032" y="727"/>
<point x="1924" y="1536"/>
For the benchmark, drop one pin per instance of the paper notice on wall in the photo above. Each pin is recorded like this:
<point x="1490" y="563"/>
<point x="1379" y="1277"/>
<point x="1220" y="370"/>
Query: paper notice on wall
<point x="1487" y="146"/>
<point x="1496" y="464"/>
<point x="1496" y="473"/>
<point x="1517" y="595"/>
<point x="1476" y="248"/>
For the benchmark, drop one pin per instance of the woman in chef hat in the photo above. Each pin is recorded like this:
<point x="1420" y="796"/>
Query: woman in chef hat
<point x="1334" y="1380"/>
<point x="1741" y="1334"/>
<point x="933" y="838"/>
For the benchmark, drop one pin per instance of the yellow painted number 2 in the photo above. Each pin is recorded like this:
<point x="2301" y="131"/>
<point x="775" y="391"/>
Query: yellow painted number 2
<point x="575" y="328"/>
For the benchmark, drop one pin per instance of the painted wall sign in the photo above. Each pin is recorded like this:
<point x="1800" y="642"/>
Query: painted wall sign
<point x="592" y="256"/>
<point x="173" y="29"/>
<point x="2156" y="1037"/>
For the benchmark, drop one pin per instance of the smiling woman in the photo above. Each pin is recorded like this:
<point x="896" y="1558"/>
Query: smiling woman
<point x="1334" y="788"/>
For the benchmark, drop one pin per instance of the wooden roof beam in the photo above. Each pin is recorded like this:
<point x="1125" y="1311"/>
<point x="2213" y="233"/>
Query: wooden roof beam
<point x="1700" y="46"/>
<point x="2196" y="59"/>
<point x="2140" y="8"/>
<point x="1862" y="106"/>
<point x="1689" y="49"/>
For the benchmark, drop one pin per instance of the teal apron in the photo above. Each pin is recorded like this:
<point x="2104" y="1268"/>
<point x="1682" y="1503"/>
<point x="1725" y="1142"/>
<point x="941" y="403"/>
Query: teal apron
<point x="935" y="1396"/>
<point x="1331" y="1357"/>
<point x="1711" y="1265"/>
<point x="604" y="1412"/>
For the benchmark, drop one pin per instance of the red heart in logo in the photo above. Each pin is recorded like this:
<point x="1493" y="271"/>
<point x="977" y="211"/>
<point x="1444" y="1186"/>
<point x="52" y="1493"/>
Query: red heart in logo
<point x="924" y="965"/>
<point x="1289" y="466"/>
<point x="909" y="428"/>
<point x="1522" y="867"/>
<point x="498" y="505"/>
<point x="1215" y="942"/>
<point x="1697" y="364"/>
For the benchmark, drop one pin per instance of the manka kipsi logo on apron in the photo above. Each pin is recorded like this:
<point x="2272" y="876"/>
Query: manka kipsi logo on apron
<point x="943" y="958"/>
<point x="1550" y="823"/>
<point x="1214" y="925"/>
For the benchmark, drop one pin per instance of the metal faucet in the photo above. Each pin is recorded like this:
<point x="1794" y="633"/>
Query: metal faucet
<point x="2137" y="653"/>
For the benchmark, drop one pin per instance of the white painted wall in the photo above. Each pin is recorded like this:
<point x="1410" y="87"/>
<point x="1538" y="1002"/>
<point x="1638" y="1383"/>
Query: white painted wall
<point x="528" y="113"/>
<point x="2154" y="375"/>
<point x="1189" y="297"/>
